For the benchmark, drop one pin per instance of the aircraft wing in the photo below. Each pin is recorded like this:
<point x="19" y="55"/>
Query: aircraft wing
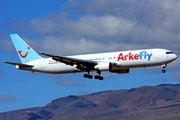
<point x="84" y="65"/>
<point x="20" y="64"/>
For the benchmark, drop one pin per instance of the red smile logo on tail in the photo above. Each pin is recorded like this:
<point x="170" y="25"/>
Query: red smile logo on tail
<point x="23" y="56"/>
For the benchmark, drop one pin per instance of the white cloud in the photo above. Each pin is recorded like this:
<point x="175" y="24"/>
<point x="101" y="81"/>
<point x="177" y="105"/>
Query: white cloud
<point x="6" y="45"/>
<point x="88" y="26"/>
<point x="176" y="76"/>
<point x="108" y="26"/>
<point x="8" y="98"/>
<point x="103" y="30"/>
<point x="71" y="83"/>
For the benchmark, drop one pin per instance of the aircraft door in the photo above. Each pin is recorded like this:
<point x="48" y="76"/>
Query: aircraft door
<point x="44" y="64"/>
<point x="157" y="55"/>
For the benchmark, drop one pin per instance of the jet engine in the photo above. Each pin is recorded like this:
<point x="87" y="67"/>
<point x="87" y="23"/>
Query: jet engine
<point x="103" y="66"/>
<point x="117" y="68"/>
<point x="112" y="67"/>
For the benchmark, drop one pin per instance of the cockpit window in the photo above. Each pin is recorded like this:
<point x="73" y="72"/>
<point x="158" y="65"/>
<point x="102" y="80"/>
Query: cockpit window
<point x="169" y="52"/>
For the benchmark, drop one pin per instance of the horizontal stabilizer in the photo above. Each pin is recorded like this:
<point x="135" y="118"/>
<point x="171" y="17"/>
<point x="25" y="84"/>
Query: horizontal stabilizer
<point x="20" y="64"/>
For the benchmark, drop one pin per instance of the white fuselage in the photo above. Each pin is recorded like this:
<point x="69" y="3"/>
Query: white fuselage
<point x="120" y="60"/>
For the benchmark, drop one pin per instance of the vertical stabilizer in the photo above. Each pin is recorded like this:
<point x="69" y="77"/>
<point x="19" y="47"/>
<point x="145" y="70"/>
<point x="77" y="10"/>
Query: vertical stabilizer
<point x="24" y="51"/>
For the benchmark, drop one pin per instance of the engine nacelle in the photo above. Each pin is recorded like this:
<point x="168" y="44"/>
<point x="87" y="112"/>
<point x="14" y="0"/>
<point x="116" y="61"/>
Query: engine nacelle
<point x="117" y="68"/>
<point x="122" y="71"/>
<point x="104" y="66"/>
<point x="111" y="67"/>
<point x="114" y="66"/>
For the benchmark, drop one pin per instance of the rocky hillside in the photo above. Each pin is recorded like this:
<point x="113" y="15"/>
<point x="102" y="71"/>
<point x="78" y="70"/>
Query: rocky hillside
<point x="159" y="102"/>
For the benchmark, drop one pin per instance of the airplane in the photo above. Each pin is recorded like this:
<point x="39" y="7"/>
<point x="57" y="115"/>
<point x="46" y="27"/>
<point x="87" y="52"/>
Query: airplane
<point x="115" y="62"/>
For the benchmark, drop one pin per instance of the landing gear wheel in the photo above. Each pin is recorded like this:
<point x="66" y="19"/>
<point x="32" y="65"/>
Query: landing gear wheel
<point x="85" y="75"/>
<point x="163" y="71"/>
<point x="88" y="76"/>
<point x="164" y="67"/>
<point x="98" y="77"/>
<point x="101" y="78"/>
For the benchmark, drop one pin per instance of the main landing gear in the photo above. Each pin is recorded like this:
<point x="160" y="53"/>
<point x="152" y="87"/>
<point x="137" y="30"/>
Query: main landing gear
<point x="164" y="67"/>
<point x="99" y="77"/>
<point x="88" y="76"/>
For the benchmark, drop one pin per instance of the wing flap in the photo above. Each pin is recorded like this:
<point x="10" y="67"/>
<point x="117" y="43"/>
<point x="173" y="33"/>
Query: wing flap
<point x="81" y="64"/>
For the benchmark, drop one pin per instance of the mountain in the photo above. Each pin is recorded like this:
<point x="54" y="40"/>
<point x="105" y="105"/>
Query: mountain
<point x="160" y="102"/>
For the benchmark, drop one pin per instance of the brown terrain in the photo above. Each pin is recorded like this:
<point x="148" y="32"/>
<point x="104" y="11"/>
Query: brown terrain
<point x="145" y="103"/>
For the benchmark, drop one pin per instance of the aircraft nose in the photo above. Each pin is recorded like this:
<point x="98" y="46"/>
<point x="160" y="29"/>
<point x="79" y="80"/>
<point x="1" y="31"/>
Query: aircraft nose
<point x="175" y="56"/>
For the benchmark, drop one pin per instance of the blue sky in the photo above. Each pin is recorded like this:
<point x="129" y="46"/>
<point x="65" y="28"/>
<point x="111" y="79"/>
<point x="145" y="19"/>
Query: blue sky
<point x="77" y="27"/>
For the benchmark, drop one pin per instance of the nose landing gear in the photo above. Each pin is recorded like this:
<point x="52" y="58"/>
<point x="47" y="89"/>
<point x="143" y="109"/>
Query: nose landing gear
<point x="164" y="67"/>
<point x="163" y="71"/>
